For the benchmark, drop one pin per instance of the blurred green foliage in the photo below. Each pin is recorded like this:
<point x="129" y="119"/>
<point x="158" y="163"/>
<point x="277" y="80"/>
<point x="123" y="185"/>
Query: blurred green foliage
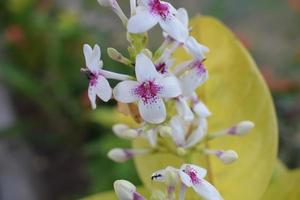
<point x="40" y="63"/>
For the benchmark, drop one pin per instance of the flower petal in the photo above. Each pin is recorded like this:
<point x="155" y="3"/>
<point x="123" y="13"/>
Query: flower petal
<point x="152" y="137"/>
<point x="170" y="87"/>
<point x="174" y="28"/>
<point x="142" y="21"/>
<point x="92" y="57"/>
<point x="185" y="179"/>
<point x="197" y="134"/>
<point x="145" y="69"/>
<point x="92" y="96"/>
<point x="178" y="130"/>
<point x="184" y="110"/>
<point x="191" y="80"/>
<point x="103" y="89"/>
<point x="154" y="111"/>
<point x="195" y="48"/>
<point x="124" y="91"/>
<point x="207" y="191"/>
<point x="201" y="172"/>
<point x="183" y="17"/>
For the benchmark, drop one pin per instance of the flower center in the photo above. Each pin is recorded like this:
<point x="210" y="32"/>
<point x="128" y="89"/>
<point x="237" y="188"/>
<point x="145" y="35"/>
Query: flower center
<point x="199" y="66"/>
<point x="161" y="67"/>
<point x="159" y="8"/>
<point x="148" y="91"/>
<point x="93" y="79"/>
<point x="193" y="175"/>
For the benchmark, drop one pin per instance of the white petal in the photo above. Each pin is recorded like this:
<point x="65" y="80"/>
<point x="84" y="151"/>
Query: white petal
<point x="124" y="91"/>
<point x="92" y="57"/>
<point x="159" y="175"/>
<point x="184" y="110"/>
<point x="183" y="17"/>
<point x="171" y="87"/>
<point x="201" y="172"/>
<point x="152" y="137"/>
<point x="154" y="111"/>
<point x="196" y="136"/>
<point x="92" y="96"/>
<point x="185" y="179"/>
<point x="195" y="48"/>
<point x="124" y="189"/>
<point x="207" y="191"/>
<point x="178" y="130"/>
<point x="174" y="28"/>
<point x="145" y="69"/>
<point x="103" y="89"/>
<point x="116" y="76"/>
<point x="191" y="81"/>
<point x="201" y="109"/>
<point x="141" y="22"/>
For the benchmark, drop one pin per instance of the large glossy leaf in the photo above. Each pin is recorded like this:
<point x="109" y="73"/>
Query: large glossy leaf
<point x="283" y="185"/>
<point x="235" y="91"/>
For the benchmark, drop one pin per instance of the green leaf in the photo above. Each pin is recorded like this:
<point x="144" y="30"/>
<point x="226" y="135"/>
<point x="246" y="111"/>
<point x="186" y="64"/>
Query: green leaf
<point x="235" y="91"/>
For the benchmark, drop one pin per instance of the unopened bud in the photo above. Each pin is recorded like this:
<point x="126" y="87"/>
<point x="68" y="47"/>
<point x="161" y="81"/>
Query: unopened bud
<point x="126" y="191"/>
<point x="147" y="52"/>
<point x="228" y="156"/>
<point x="105" y="3"/>
<point x="122" y="155"/>
<point x="119" y="128"/>
<point x="181" y="151"/>
<point x="200" y="109"/>
<point x="165" y="131"/>
<point x="241" y="128"/>
<point x="117" y="56"/>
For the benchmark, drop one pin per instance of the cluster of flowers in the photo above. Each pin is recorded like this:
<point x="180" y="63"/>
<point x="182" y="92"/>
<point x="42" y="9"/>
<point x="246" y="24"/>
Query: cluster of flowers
<point x="158" y="88"/>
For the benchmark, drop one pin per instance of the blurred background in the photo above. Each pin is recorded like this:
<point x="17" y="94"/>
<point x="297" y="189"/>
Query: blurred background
<point x="52" y="145"/>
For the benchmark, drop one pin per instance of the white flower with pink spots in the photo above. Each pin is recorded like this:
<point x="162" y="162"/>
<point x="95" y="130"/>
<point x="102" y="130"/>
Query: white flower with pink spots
<point x="149" y="90"/>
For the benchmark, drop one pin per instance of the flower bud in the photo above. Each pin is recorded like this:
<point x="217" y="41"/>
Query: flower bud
<point x="181" y="151"/>
<point x="241" y="128"/>
<point x="165" y="131"/>
<point x="126" y="191"/>
<point x="228" y="156"/>
<point x="105" y="3"/>
<point x="200" y="109"/>
<point x="122" y="155"/>
<point x="118" y="129"/>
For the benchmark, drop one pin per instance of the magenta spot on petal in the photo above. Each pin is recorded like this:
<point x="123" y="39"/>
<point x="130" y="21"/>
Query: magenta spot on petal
<point x="161" y="67"/>
<point x="232" y="130"/>
<point x="192" y="173"/>
<point x="199" y="66"/>
<point x="93" y="79"/>
<point x="159" y="8"/>
<point x="137" y="196"/>
<point x="148" y="91"/>
<point x="219" y="153"/>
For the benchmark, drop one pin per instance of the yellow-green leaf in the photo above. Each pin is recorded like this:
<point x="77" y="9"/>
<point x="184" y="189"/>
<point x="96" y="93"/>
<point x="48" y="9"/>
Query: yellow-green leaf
<point x="235" y="91"/>
<point x="283" y="185"/>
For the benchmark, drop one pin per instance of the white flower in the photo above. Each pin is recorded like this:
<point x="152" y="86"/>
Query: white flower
<point x="191" y="176"/>
<point x="148" y="90"/>
<point x="98" y="84"/>
<point x="183" y="109"/>
<point x="199" y="107"/>
<point x="196" y="129"/>
<point x="124" y="132"/>
<point x="126" y="191"/>
<point x="192" y="46"/>
<point x="194" y="77"/>
<point x="226" y="157"/>
<point x="151" y="12"/>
